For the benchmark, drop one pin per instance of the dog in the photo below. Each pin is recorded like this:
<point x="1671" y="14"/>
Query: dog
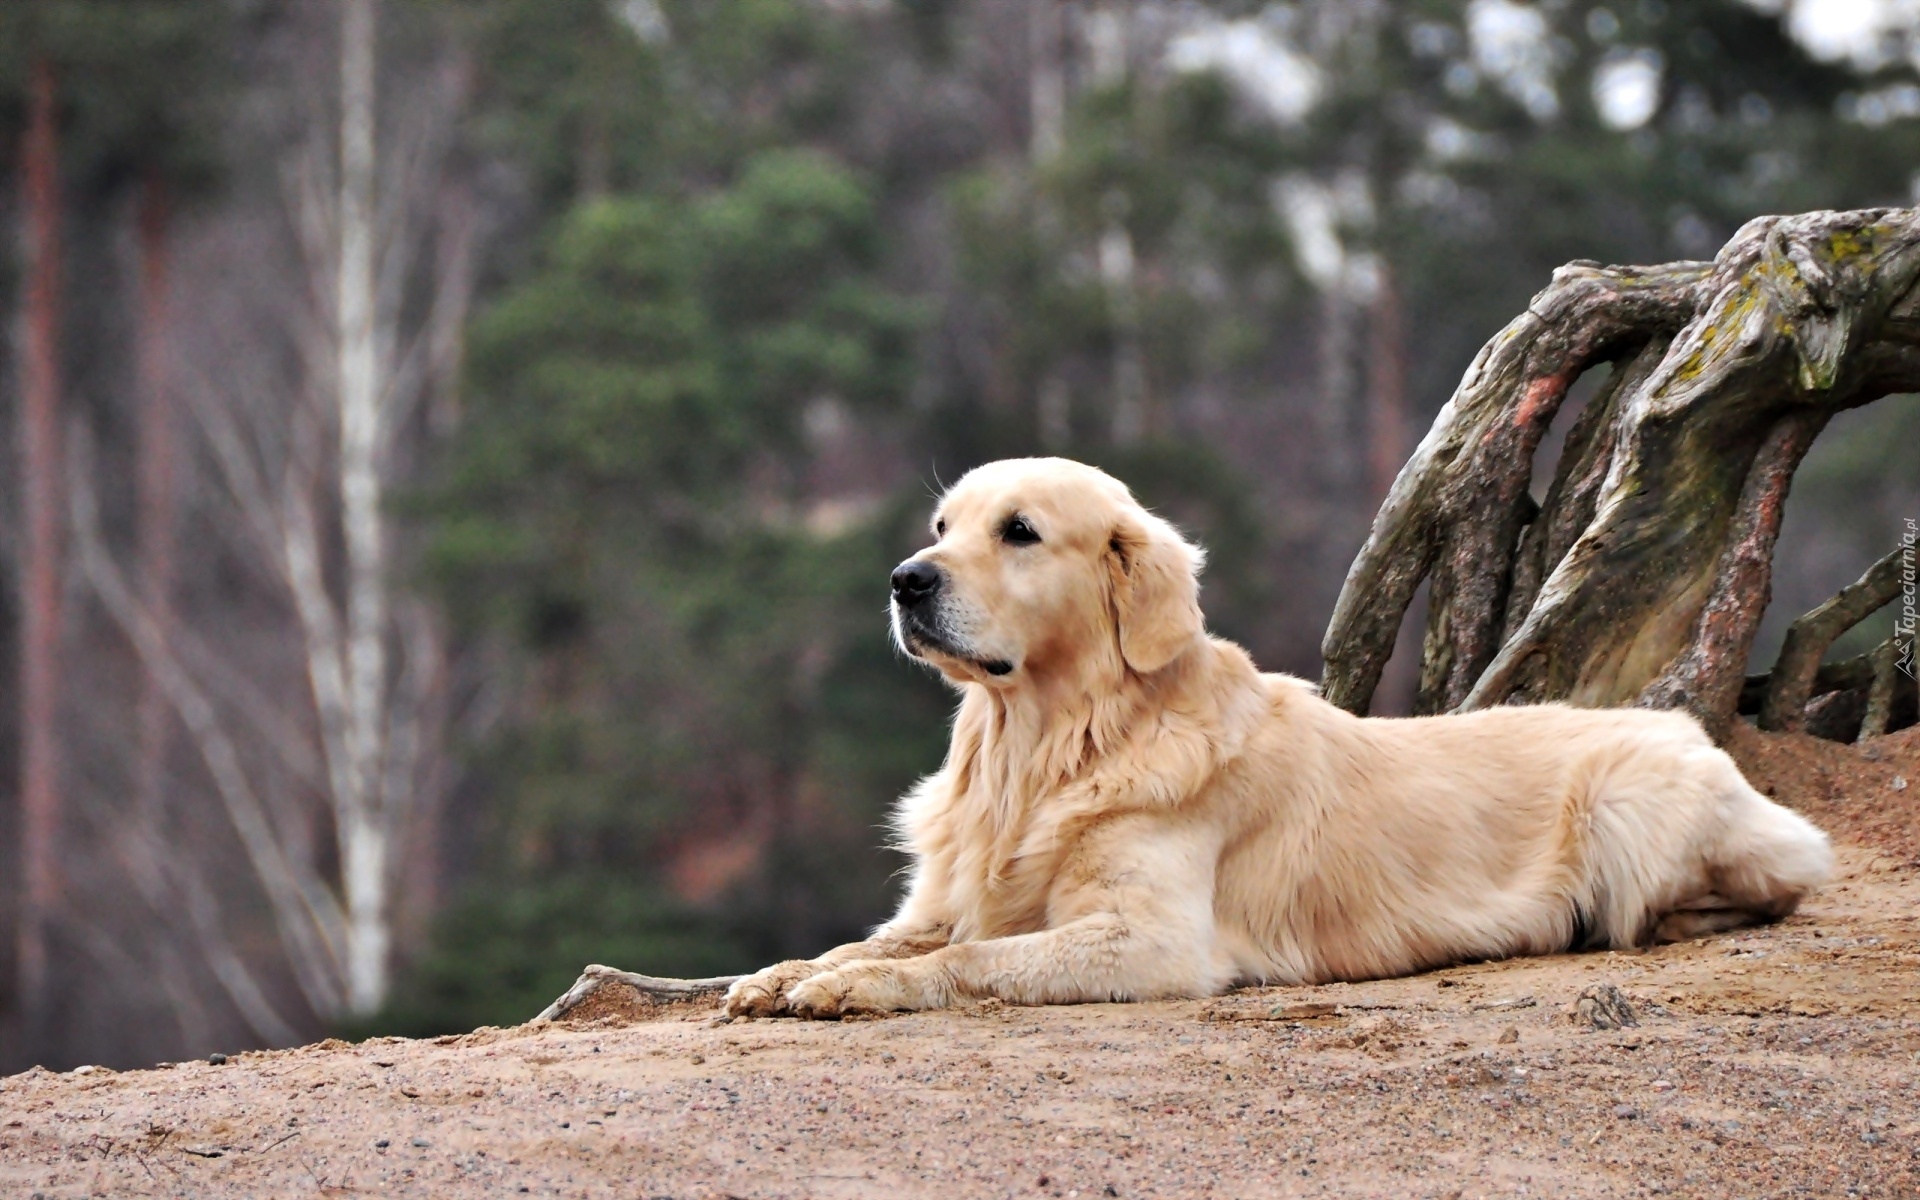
<point x="1130" y="810"/>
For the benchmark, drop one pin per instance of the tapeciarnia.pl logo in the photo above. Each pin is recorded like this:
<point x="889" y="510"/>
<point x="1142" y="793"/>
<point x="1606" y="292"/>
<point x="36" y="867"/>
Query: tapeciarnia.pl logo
<point x="1903" y="624"/>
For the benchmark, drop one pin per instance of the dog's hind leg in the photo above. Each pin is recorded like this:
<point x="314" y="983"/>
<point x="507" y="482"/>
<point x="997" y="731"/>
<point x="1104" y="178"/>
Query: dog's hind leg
<point x="1705" y="916"/>
<point x="1767" y="858"/>
<point x="1764" y="861"/>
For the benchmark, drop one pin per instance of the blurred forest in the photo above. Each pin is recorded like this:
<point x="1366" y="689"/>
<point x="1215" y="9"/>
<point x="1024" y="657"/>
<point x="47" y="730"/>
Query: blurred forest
<point x="459" y="445"/>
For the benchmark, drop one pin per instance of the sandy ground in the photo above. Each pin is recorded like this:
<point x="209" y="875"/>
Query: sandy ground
<point x="1775" y="1062"/>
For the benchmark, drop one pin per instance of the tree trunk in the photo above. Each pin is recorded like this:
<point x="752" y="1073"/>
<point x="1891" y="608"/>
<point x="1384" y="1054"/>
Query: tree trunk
<point x="1641" y="576"/>
<point x="40" y="473"/>
<point x="1337" y="386"/>
<point x="1386" y="386"/>
<point x="363" y="832"/>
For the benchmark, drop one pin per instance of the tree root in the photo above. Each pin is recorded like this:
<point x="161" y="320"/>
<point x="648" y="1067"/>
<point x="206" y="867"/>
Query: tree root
<point x="1642" y="576"/>
<point x="1891" y="691"/>
<point x="1791" y="684"/>
<point x="600" y="985"/>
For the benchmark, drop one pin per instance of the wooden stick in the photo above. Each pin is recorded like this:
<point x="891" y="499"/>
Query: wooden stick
<point x="652" y="987"/>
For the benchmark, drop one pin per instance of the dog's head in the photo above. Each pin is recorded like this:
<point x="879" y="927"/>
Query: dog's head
<point x="1046" y="567"/>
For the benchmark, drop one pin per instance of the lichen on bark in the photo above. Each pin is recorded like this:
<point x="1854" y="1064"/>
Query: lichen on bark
<point x="1641" y="575"/>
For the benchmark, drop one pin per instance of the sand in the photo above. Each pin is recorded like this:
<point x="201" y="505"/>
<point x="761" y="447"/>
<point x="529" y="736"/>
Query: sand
<point x="1782" y="1061"/>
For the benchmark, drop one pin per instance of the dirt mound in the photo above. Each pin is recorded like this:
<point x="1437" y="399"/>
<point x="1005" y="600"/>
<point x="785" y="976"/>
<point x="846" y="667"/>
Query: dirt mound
<point x="1771" y="1062"/>
<point x="1868" y="794"/>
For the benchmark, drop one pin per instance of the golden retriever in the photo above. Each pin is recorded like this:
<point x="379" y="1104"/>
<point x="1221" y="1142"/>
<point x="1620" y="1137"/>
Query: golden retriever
<point x="1130" y="810"/>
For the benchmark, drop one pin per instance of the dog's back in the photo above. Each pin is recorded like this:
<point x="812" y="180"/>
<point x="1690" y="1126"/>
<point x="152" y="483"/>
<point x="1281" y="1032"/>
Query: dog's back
<point x="1377" y="847"/>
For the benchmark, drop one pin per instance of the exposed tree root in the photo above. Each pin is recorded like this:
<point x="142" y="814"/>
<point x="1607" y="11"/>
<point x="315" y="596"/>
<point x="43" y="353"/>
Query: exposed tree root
<point x="1791" y="683"/>
<point x="1642" y="575"/>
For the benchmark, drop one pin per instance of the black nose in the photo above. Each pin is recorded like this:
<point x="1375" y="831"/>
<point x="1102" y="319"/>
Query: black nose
<point x="914" y="581"/>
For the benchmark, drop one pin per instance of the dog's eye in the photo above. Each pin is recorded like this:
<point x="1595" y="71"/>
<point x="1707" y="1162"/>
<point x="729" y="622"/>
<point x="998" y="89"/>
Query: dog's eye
<point x="939" y="529"/>
<point x="1018" y="532"/>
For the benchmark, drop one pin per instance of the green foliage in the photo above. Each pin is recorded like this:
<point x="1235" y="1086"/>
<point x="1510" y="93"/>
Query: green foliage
<point x="594" y="96"/>
<point x="624" y="506"/>
<point x="141" y="83"/>
<point x="1484" y="197"/>
<point x="1186" y="176"/>
<point x="668" y="347"/>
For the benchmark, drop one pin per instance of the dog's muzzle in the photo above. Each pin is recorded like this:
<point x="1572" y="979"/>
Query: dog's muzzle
<point x="916" y="587"/>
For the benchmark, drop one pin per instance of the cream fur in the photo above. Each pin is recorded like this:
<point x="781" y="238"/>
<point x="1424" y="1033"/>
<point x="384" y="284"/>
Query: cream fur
<point x="1130" y="810"/>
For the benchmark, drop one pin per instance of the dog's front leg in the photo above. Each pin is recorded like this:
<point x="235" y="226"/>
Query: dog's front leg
<point x="1134" y="922"/>
<point x="763" y="994"/>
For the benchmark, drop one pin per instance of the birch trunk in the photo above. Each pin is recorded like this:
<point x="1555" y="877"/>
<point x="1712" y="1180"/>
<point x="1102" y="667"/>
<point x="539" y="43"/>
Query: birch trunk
<point x="365" y="837"/>
<point x="303" y="461"/>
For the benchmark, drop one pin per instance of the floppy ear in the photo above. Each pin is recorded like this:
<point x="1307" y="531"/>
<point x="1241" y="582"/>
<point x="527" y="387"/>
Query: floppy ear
<point x="1156" y="591"/>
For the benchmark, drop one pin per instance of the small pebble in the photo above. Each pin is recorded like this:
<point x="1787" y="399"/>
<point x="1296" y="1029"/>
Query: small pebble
<point x="382" y="1144"/>
<point x="698" y="1059"/>
<point x="1624" y="1112"/>
<point x="420" y="1143"/>
<point x="1662" y="1085"/>
<point x="217" y="1059"/>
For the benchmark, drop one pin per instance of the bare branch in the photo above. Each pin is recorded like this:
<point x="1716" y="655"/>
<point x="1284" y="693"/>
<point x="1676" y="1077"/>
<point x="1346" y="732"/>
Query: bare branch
<point x="421" y="668"/>
<point x="168" y="885"/>
<point x="1791" y="683"/>
<point x="305" y="913"/>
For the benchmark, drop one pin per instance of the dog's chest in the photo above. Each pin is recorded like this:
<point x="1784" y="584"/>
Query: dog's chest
<point x="1000" y="882"/>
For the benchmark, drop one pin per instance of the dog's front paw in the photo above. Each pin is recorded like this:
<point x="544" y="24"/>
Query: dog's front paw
<point x="764" y="993"/>
<point x="858" y="988"/>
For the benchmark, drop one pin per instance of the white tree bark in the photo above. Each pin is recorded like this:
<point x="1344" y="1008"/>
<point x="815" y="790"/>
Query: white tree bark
<point x="362" y="827"/>
<point x="305" y="460"/>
